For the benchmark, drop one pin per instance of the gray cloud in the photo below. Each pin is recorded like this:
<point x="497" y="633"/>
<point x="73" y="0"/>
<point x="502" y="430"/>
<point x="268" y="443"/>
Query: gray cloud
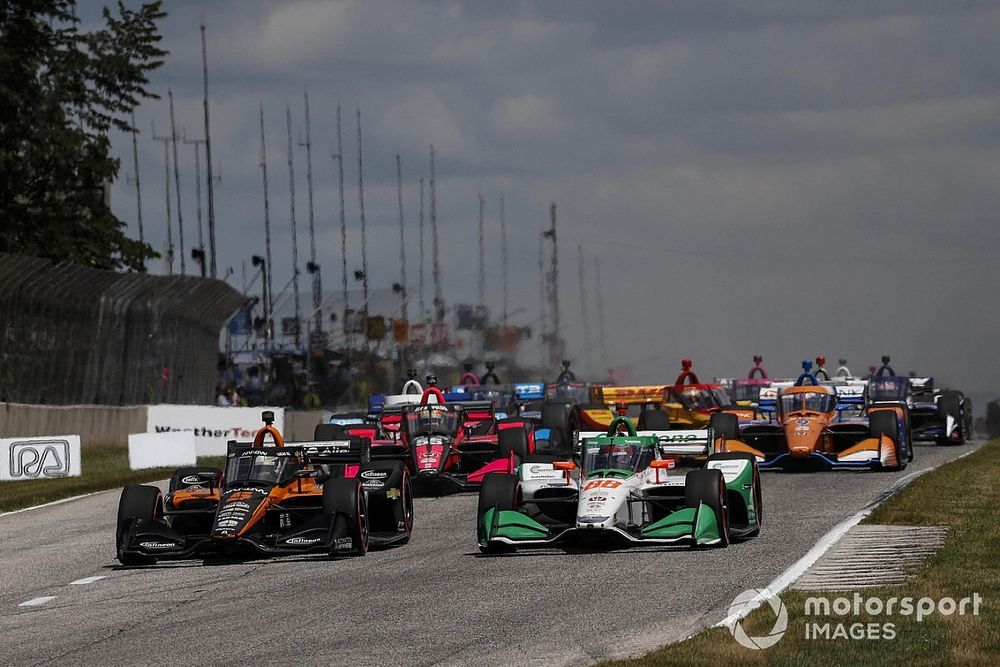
<point x="786" y="178"/>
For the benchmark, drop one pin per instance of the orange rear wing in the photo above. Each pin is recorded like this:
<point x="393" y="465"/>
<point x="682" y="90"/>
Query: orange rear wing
<point x="637" y="395"/>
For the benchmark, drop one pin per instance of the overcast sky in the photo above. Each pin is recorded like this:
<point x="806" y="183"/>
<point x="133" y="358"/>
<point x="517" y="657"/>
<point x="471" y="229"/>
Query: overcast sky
<point x="784" y="178"/>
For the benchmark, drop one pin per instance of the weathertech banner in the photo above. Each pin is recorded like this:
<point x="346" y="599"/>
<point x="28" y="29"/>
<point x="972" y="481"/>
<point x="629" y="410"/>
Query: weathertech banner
<point x="47" y="457"/>
<point x="213" y="426"/>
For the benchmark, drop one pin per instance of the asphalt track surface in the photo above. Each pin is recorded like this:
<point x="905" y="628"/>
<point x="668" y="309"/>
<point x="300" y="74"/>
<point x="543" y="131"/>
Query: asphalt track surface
<point x="435" y="601"/>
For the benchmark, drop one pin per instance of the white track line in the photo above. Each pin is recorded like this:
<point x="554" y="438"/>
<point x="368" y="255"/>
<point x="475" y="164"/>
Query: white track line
<point x="54" y="502"/>
<point x="798" y="568"/>
<point x="34" y="602"/>
<point x="86" y="580"/>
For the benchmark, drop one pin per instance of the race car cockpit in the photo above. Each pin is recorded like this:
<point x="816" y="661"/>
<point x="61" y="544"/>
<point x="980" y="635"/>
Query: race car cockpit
<point x="431" y="420"/>
<point x="259" y="466"/>
<point x="619" y="459"/>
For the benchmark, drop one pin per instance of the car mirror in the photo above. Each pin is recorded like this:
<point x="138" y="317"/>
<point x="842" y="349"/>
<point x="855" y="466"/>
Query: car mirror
<point x="663" y="464"/>
<point x="564" y="465"/>
<point x="302" y="474"/>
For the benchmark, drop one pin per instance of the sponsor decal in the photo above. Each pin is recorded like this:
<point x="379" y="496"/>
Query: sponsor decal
<point x="157" y="545"/>
<point x="342" y="543"/>
<point x="236" y="504"/>
<point x="374" y="474"/>
<point x="304" y="541"/>
<point x="602" y="484"/>
<point x="393" y="493"/>
<point x="372" y="484"/>
<point x="681" y="437"/>
<point x="192" y="479"/>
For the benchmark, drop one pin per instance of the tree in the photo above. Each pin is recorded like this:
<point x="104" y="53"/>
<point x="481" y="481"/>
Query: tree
<point x="61" y="92"/>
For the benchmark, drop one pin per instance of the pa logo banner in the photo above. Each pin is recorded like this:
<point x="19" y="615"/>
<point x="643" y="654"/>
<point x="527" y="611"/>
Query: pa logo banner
<point x="47" y="457"/>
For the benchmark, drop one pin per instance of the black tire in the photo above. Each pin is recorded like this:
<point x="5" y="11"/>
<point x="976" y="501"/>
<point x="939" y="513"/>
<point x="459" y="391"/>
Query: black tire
<point x="709" y="487"/>
<point x="502" y="491"/>
<point x="513" y="440"/>
<point x="345" y="502"/>
<point x="406" y="503"/>
<point x="950" y="404"/>
<point x="724" y="424"/>
<point x="653" y="420"/>
<point x="137" y="503"/>
<point x="328" y="432"/>
<point x="758" y="499"/>
<point x="555" y="416"/>
<point x="387" y="513"/>
<point x="176" y="480"/>
<point x="884" y="422"/>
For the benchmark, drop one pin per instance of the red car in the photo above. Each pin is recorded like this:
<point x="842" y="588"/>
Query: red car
<point x="451" y="444"/>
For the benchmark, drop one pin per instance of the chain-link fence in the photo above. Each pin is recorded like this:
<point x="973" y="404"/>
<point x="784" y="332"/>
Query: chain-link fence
<point x="74" y="335"/>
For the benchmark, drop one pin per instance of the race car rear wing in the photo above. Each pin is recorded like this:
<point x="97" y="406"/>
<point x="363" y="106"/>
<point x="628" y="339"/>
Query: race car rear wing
<point x="349" y="450"/>
<point x="637" y="395"/>
<point x="850" y="393"/>
<point x="696" y="442"/>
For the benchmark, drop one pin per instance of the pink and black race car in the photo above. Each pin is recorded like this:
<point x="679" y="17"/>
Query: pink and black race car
<point x="451" y="444"/>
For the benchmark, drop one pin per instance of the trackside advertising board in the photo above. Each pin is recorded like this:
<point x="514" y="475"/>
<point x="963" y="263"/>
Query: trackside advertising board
<point x="159" y="450"/>
<point x="213" y="427"/>
<point x="47" y="457"/>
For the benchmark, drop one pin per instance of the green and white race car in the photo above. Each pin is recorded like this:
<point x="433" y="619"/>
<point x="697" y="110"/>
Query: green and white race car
<point x="650" y="487"/>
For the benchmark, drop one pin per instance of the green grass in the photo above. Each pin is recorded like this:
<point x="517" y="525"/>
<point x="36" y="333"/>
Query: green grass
<point x="963" y="495"/>
<point x="102" y="467"/>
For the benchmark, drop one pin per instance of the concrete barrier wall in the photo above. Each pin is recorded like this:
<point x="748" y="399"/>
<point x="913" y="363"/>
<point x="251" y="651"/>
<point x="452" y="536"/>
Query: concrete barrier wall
<point x="97" y="425"/>
<point x="110" y="426"/>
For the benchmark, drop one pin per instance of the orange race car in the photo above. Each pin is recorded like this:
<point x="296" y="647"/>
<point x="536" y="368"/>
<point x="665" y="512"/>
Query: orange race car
<point x="274" y="498"/>
<point x="813" y="428"/>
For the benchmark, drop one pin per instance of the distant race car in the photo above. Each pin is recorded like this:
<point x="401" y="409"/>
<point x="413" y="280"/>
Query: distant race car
<point x="632" y="488"/>
<point x="686" y="404"/>
<point x="273" y="498"/>
<point x="447" y="444"/>
<point x="833" y="425"/>
<point x="942" y="416"/>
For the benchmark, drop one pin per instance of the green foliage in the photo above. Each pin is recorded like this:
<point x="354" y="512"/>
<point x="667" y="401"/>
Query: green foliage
<point x="61" y="92"/>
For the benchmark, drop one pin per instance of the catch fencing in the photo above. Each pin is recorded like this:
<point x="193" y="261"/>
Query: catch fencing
<point x="74" y="335"/>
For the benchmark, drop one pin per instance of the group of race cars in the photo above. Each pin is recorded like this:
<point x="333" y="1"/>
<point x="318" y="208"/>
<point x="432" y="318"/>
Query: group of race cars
<point x="565" y="463"/>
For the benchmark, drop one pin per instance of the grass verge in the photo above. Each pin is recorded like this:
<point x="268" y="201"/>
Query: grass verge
<point x="963" y="495"/>
<point x="101" y="467"/>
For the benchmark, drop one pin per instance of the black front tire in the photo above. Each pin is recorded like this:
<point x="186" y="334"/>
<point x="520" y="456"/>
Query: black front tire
<point x="346" y="503"/>
<point x="503" y="492"/>
<point x="709" y="487"/>
<point x="137" y="503"/>
<point x="950" y="404"/>
<point x="884" y="422"/>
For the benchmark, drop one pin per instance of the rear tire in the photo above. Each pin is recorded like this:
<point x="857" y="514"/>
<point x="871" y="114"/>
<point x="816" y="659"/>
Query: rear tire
<point x="344" y="500"/>
<point x="708" y="487"/>
<point x="513" y="440"/>
<point x="137" y="503"/>
<point x="724" y="425"/>
<point x="884" y="422"/>
<point x="555" y="416"/>
<point x="502" y="491"/>
<point x="653" y="420"/>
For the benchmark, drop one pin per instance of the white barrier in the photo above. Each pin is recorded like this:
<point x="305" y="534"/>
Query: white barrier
<point x="212" y="426"/>
<point x="47" y="457"/>
<point x="160" y="450"/>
